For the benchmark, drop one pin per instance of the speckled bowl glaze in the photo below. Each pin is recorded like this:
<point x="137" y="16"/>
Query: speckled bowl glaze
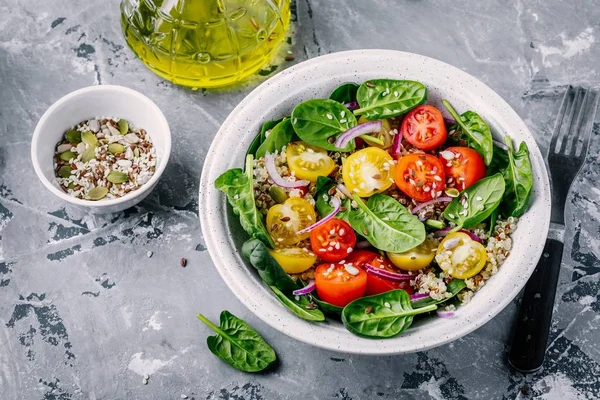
<point x="316" y="78"/>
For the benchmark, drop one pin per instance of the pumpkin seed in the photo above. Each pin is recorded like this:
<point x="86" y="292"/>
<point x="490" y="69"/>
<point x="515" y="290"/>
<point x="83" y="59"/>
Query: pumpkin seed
<point x="278" y="194"/>
<point x="71" y="185"/>
<point x="89" y="138"/>
<point x="117" y="177"/>
<point x="136" y="152"/>
<point x="97" y="193"/>
<point x="88" y="155"/>
<point x="73" y="136"/>
<point x="452" y="192"/>
<point x="65" y="171"/>
<point x="123" y="126"/>
<point x="116" y="148"/>
<point x="67" y="155"/>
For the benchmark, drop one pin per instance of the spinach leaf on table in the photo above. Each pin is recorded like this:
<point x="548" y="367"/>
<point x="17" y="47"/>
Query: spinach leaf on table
<point x="518" y="177"/>
<point x="481" y="199"/>
<point x="238" y="187"/>
<point x="345" y="93"/>
<point x="387" y="224"/>
<point x="454" y="286"/>
<point x="280" y="135"/>
<point x="261" y="136"/>
<point x="268" y="268"/>
<point x="320" y="121"/>
<point x="238" y="344"/>
<point x="474" y="130"/>
<point x="383" y="315"/>
<point x="322" y="199"/>
<point x="302" y="307"/>
<point x="386" y="98"/>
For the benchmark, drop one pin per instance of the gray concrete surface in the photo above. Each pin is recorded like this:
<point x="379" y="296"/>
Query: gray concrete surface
<point x="84" y="314"/>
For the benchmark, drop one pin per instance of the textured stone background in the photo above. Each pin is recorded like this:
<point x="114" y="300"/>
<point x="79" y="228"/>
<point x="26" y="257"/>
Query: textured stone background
<point x="84" y="313"/>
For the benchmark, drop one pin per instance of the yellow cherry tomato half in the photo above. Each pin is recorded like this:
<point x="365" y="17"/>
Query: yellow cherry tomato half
<point x="384" y="134"/>
<point x="285" y="220"/>
<point x="294" y="260"/>
<point x="461" y="256"/>
<point x="416" y="258"/>
<point x="308" y="162"/>
<point x="368" y="171"/>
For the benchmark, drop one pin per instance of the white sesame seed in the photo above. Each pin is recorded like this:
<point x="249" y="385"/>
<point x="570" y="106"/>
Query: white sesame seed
<point x="342" y="231"/>
<point x="149" y="254"/>
<point x="452" y="216"/>
<point x="439" y="193"/>
<point x="337" y="246"/>
<point x="329" y="116"/>
<point x="349" y="250"/>
<point x="388" y="305"/>
<point x="332" y="232"/>
<point x="478" y="198"/>
<point x="419" y="163"/>
<point x="437" y="178"/>
<point x="330" y="248"/>
<point x="343" y="120"/>
<point x="426" y="189"/>
<point x="183" y="396"/>
<point x="351" y="269"/>
<point x="343" y="114"/>
<point x="146" y="376"/>
<point x="396" y="93"/>
<point x="322" y="250"/>
<point x="280" y="239"/>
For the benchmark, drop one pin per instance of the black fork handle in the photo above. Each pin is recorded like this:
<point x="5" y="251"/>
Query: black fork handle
<point x="535" y="315"/>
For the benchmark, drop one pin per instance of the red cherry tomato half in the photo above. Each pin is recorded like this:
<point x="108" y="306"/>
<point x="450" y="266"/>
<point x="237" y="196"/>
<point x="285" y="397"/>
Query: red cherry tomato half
<point x="339" y="284"/>
<point x="376" y="284"/>
<point x="332" y="240"/>
<point x="420" y="175"/>
<point x="424" y="127"/>
<point x="464" y="168"/>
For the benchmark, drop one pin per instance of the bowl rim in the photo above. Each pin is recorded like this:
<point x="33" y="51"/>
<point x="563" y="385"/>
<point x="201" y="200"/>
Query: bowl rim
<point x="49" y="113"/>
<point x="213" y="241"/>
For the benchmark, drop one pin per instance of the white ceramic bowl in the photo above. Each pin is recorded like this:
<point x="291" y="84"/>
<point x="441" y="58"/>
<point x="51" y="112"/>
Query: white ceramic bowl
<point x="90" y="102"/>
<point x="316" y="78"/>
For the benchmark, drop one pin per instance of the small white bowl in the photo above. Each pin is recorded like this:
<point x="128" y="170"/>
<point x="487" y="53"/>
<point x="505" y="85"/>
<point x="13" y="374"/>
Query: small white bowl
<point x="316" y="78"/>
<point x="90" y="102"/>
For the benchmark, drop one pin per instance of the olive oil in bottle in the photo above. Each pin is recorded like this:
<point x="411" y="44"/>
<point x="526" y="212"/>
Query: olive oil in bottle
<point x="205" y="43"/>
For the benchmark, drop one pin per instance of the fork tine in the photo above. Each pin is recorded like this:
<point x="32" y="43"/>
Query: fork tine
<point x="568" y="123"/>
<point x="562" y="111"/>
<point x="586" y="131"/>
<point x="575" y="132"/>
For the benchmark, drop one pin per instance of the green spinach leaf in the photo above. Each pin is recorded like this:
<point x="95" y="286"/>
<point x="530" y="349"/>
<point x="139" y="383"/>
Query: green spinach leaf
<point x="238" y="344"/>
<point x="280" y="136"/>
<point x="268" y="268"/>
<point x="499" y="161"/>
<point x="261" y="136"/>
<point x="386" y="98"/>
<point x="518" y="177"/>
<point x="320" y="121"/>
<point x="381" y="316"/>
<point x="328" y="308"/>
<point x="302" y="307"/>
<point x="322" y="199"/>
<point x="474" y="131"/>
<point x="344" y="93"/>
<point x="455" y="286"/>
<point x="387" y="224"/>
<point x="238" y="187"/>
<point x="476" y="202"/>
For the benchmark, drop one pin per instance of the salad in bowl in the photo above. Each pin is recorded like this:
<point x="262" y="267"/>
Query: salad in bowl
<point x="373" y="208"/>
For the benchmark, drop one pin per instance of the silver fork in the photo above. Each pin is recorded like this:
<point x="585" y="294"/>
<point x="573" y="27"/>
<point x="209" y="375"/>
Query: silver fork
<point x="566" y="154"/>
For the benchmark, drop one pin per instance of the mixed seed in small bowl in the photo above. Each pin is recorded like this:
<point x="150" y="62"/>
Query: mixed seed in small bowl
<point x="104" y="158"/>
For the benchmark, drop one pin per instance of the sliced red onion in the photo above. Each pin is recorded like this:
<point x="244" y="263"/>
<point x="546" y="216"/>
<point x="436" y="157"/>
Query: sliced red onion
<point x="445" y="314"/>
<point x="443" y="199"/>
<point x="306" y="289"/>
<point x="397" y="145"/>
<point x="277" y="179"/>
<point x="363" y="244"/>
<point x="392" y="276"/>
<point x="342" y="188"/>
<point x="337" y="204"/>
<point x="449" y="121"/>
<point x="353" y="105"/>
<point x="444" y="232"/>
<point x="500" y="144"/>
<point x="418" y="296"/>
<point x="362" y="129"/>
